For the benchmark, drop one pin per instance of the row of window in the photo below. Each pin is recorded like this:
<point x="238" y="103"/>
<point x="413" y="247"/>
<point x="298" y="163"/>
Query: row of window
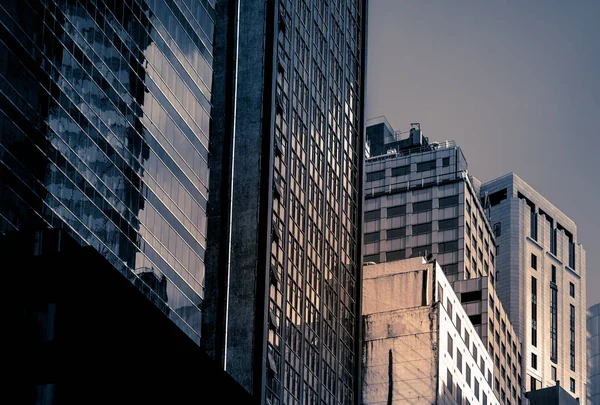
<point x="404" y="170"/>
<point x="420" y="206"/>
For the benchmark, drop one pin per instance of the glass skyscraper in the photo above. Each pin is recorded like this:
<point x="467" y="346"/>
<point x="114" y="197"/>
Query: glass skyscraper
<point x="283" y="263"/>
<point x="104" y="132"/>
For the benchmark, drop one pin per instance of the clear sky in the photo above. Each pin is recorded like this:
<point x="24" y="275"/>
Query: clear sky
<point x="515" y="83"/>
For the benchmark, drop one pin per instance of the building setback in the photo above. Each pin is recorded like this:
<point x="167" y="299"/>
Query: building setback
<point x="283" y="259"/>
<point x="420" y="199"/>
<point x="414" y="350"/>
<point x="593" y="355"/>
<point x="541" y="270"/>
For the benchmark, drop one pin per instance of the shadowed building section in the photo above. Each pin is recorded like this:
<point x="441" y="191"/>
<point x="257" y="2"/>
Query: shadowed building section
<point x="593" y="355"/>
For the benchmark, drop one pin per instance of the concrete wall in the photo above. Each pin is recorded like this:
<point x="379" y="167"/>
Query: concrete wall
<point x="400" y="356"/>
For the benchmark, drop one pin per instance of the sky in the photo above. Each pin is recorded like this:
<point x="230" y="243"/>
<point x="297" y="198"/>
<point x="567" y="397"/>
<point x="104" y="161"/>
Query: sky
<point x="515" y="83"/>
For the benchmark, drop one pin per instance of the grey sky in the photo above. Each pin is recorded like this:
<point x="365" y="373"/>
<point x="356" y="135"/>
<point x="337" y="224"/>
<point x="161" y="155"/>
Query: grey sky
<point x="515" y="83"/>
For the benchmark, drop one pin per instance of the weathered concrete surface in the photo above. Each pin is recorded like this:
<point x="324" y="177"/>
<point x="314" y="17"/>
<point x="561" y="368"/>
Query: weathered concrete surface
<point x="400" y="356"/>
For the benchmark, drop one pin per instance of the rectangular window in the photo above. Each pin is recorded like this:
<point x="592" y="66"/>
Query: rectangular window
<point x="371" y="237"/>
<point x="450" y="346"/>
<point x="572" y="385"/>
<point x="372" y="215"/>
<point x="395" y="233"/>
<point x="424" y="166"/>
<point x="421" y="251"/>
<point x="459" y="360"/>
<point x="396" y="211"/>
<point x="470" y="296"/>
<point x="400" y="171"/>
<point x="484" y="399"/>
<point x="421" y="228"/>
<point x="422" y="206"/>
<point x="572" y="289"/>
<point x="476" y="389"/>
<point x="445" y="247"/>
<point x="467" y="338"/>
<point x="554" y="274"/>
<point x="534" y="361"/>
<point x="533" y="261"/>
<point x="532" y="383"/>
<point x="449" y="380"/>
<point x="468" y="374"/>
<point x="448" y="201"/>
<point x="572" y="343"/>
<point x="449" y="309"/>
<point x="395" y="255"/>
<point x="374" y="176"/>
<point x="450" y="269"/>
<point x="459" y="398"/>
<point x="445" y="224"/>
<point x="459" y="324"/>
<point x="553" y="322"/>
<point x="553" y="373"/>
<point x="445" y="162"/>
<point x="497" y="229"/>
<point x="534" y="311"/>
<point x="371" y="258"/>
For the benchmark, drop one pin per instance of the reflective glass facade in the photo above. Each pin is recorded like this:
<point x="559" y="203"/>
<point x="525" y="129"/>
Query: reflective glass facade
<point x="104" y="129"/>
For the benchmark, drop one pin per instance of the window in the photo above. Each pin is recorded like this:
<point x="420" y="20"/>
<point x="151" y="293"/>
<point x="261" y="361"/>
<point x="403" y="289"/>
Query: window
<point x="448" y="201"/>
<point x="532" y="383"/>
<point x="554" y="274"/>
<point x="445" y="247"/>
<point x="468" y="374"/>
<point x="475" y="319"/>
<point x="470" y="296"/>
<point x="534" y="311"/>
<point x="503" y="327"/>
<point x="445" y="224"/>
<point x="449" y="309"/>
<point x="534" y="360"/>
<point x="459" y="360"/>
<point x="458" y="395"/>
<point x="395" y="255"/>
<point x="371" y="237"/>
<point x="374" y="176"/>
<point x="484" y="399"/>
<point x="476" y="389"/>
<point x="474" y="350"/>
<point x="445" y="162"/>
<point x="497" y="229"/>
<point x="449" y="380"/>
<point x="424" y="166"/>
<point x="400" y="171"/>
<point x="422" y="206"/>
<point x="553" y="373"/>
<point x="533" y="261"/>
<point x="421" y="251"/>
<point x="467" y="338"/>
<point x="421" y="228"/>
<point x="440" y="293"/>
<point x="553" y="322"/>
<point x="572" y="289"/>
<point x="395" y="233"/>
<point x="371" y="258"/>
<point x="458" y="324"/>
<point x="572" y="385"/>
<point x="396" y="211"/>
<point x="572" y="343"/>
<point x="497" y="197"/>
<point x="450" y="269"/>
<point x="372" y="215"/>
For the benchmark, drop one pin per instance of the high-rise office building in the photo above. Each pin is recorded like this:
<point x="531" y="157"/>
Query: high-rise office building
<point x="419" y="200"/>
<point x="541" y="270"/>
<point x="283" y="256"/>
<point x="593" y="355"/>
<point x="104" y="131"/>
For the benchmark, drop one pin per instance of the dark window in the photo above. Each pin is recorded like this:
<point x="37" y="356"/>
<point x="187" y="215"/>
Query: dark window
<point x="476" y="383"/>
<point x="497" y="197"/>
<point x="459" y="397"/>
<point x="400" y="171"/>
<point x="553" y="322"/>
<point x="572" y="289"/>
<point x="450" y="346"/>
<point x="534" y="360"/>
<point x="449" y="309"/>
<point x="371" y="258"/>
<point x="445" y="247"/>
<point x="484" y="399"/>
<point x="371" y="237"/>
<point x="459" y="361"/>
<point x="554" y="274"/>
<point x="395" y="233"/>
<point x="424" y="166"/>
<point x="445" y="162"/>
<point x="468" y="374"/>
<point x="533" y="311"/>
<point x="572" y="385"/>
<point x="450" y="269"/>
<point x="448" y="201"/>
<point x="374" y="176"/>
<point x="421" y="228"/>
<point x="475" y="319"/>
<point x="470" y="296"/>
<point x="572" y="343"/>
<point x="421" y="251"/>
<point x="449" y="380"/>
<point x="533" y="261"/>
<point x="395" y="255"/>
<point x="532" y="383"/>
<point x="372" y="215"/>
<point x="396" y="211"/>
<point x="553" y="373"/>
<point x="422" y="206"/>
<point x="447" y="224"/>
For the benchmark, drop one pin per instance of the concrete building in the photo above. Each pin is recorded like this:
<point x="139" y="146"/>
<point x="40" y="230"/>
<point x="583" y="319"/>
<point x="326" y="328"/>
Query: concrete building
<point x="593" y="355"/>
<point x="541" y="271"/>
<point x="420" y="199"/>
<point x="419" y="346"/>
